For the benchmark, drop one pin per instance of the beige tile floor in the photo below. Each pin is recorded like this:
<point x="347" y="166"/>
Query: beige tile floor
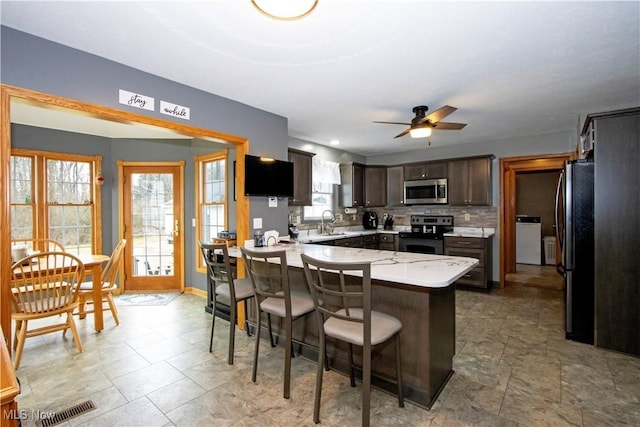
<point x="512" y="367"/>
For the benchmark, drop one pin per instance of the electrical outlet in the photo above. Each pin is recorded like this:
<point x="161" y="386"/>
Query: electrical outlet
<point x="257" y="223"/>
<point x="467" y="217"/>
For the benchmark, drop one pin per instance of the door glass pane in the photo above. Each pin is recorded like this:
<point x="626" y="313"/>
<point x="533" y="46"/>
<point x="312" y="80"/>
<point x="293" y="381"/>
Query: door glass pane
<point x="153" y="224"/>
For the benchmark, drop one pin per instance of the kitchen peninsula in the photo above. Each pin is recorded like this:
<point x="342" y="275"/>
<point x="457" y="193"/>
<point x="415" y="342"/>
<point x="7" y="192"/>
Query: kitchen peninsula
<point x="418" y="289"/>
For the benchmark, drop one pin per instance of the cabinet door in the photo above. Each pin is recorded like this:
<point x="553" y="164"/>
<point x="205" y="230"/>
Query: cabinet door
<point x="395" y="186"/>
<point x="457" y="184"/>
<point x="426" y="170"/>
<point x="470" y="182"/>
<point x="375" y="186"/>
<point x="437" y="170"/>
<point x="302" y="178"/>
<point x="352" y="186"/>
<point x="415" y="171"/>
<point x="479" y="175"/>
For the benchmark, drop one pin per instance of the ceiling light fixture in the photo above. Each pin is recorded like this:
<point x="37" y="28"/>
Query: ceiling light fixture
<point x="285" y="10"/>
<point x="334" y="142"/>
<point x="420" y="132"/>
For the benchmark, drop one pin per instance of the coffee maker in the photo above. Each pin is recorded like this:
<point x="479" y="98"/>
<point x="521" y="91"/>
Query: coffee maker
<point x="370" y="220"/>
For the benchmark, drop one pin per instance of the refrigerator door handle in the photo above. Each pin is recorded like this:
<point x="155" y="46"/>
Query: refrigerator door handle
<point x="559" y="223"/>
<point x="568" y="237"/>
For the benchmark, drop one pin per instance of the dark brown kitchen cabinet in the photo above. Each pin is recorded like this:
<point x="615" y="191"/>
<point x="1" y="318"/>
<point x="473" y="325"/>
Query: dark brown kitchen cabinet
<point x="472" y="247"/>
<point x="388" y="242"/>
<point x="370" y="241"/>
<point x="302" y="177"/>
<point x="375" y="186"/>
<point x="352" y="185"/>
<point x="351" y="242"/>
<point x="395" y="186"/>
<point x="470" y="181"/>
<point x="426" y="170"/>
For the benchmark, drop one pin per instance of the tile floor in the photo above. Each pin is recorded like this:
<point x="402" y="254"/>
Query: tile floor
<point x="512" y="367"/>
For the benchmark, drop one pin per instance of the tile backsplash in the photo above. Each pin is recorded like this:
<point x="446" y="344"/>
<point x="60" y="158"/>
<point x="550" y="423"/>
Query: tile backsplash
<point x="479" y="216"/>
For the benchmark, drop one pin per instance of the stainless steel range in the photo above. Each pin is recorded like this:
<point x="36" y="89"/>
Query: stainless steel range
<point x="427" y="234"/>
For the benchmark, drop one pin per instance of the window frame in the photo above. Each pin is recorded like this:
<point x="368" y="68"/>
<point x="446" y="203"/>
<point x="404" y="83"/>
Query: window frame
<point x="40" y="191"/>
<point x="200" y="162"/>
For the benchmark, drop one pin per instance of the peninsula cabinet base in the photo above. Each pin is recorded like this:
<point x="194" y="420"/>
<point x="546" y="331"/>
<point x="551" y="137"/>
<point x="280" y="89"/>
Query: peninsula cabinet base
<point x="427" y="338"/>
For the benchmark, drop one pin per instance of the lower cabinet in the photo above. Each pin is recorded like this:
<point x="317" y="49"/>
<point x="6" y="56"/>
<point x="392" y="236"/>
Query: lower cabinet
<point x="388" y="242"/>
<point x="352" y="242"/>
<point x="472" y="247"/>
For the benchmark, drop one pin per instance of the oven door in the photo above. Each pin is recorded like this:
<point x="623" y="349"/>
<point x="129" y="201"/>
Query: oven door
<point x="421" y="245"/>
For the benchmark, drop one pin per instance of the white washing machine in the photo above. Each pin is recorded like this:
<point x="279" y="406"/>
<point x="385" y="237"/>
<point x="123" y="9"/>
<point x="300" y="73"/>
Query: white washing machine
<point x="528" y="242"/>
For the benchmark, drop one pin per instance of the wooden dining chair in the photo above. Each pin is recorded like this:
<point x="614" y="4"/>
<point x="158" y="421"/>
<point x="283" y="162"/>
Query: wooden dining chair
<point x="108" y="282"/>
<point x="44" y="285"/>
<point x="341" y="294"/>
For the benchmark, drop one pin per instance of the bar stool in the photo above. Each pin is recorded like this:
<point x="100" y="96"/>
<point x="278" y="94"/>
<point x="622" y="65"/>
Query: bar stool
<point x="268" y="273"/>
<point x="223" y="283"/>
<point x="343" y="308"/>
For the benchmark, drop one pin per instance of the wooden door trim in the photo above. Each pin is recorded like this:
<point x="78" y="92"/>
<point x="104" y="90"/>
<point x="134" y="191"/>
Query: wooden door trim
<point x="8" y="92"/>
<point x="509" y="166"/>
<point x="161" y="167"/>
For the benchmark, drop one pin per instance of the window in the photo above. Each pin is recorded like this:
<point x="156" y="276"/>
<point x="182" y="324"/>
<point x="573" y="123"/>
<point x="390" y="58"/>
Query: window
<point x="211" y="184"/>
<point x="324" y="195"/>
<point x="53" y="195"/>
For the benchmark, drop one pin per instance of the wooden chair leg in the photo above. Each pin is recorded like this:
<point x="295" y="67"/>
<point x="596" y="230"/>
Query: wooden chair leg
<point x="22" y="336"/>
<point x="74" y="331"/>
<point x="113" y="308"/>
<point x="82" y="310"/>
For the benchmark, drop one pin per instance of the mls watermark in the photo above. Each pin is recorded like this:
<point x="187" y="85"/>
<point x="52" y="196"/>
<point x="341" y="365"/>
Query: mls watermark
<point x="26" y="414"/>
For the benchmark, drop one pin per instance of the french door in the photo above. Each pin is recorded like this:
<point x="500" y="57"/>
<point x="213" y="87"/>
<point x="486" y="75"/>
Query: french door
<point x="152" y="221"/>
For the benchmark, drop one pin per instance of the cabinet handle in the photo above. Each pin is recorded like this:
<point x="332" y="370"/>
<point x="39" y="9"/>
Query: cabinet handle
<point x="463" y="243"/>
<point x="467" y="276"/>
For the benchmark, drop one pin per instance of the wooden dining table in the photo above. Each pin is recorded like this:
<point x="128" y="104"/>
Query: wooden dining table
<point x="93" y="265"/>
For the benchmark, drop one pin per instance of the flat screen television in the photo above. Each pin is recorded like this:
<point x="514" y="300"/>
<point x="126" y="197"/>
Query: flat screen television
<point x="267" y="177"/>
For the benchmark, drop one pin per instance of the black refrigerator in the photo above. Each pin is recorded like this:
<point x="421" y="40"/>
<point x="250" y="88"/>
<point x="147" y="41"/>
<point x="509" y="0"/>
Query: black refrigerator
<point x="575" y="234"/>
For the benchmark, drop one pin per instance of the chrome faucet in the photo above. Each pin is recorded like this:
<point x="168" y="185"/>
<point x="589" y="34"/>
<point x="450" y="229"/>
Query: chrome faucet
<point x="322" y="226"/>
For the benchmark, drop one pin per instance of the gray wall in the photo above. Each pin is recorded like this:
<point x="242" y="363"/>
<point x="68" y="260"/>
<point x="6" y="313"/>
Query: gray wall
<point x="34" y="63"/>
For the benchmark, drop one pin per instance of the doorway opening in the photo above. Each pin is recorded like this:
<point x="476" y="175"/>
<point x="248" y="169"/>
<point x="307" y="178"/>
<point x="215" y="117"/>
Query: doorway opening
<point x="512" y="168"/>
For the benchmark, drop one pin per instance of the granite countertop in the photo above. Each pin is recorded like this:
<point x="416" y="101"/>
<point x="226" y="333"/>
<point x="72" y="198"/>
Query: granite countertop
<point x="431" y="271"/>
<point x="472" y="232"/>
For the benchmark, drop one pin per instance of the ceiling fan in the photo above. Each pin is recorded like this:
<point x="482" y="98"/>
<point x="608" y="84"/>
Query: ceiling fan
<point x="422" y="124"/>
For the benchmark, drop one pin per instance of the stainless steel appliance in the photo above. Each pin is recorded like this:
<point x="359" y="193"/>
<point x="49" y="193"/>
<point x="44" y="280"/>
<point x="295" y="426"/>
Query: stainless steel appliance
<point x="370" y="220"/>
<point x="575" y="233"/>
<point x="426" y="235"/>
<point x="426" y="192"/>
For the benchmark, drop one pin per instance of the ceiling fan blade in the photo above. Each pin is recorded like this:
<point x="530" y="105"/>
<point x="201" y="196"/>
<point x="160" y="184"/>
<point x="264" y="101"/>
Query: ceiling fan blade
<point x="448" y="126"/>
<point x="393" y="123"/>
<point x="439" y="114"/>
<point x="403" y="133"/>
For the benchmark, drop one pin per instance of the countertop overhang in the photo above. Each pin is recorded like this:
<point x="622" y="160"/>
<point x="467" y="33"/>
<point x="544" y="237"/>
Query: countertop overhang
<point x="423" y="270"/>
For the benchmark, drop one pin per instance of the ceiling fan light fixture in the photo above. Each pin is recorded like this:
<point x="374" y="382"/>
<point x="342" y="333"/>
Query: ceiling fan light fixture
<point x="420" y="132"/>
<point x="285" y="10"/>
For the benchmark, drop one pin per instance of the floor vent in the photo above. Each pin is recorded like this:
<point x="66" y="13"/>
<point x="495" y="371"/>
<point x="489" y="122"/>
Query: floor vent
<point x="62" y="416"/>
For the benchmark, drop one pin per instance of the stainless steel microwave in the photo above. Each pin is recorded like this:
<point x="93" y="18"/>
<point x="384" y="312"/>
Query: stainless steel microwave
<point x="426" y="192"/>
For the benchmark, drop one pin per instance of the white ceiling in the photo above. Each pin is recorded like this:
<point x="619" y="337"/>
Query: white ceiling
<point x="511" y="68"/>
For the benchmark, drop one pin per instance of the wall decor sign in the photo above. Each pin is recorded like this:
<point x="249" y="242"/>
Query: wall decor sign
<point x="175" y="110"/>
<point x="136" y="100"/>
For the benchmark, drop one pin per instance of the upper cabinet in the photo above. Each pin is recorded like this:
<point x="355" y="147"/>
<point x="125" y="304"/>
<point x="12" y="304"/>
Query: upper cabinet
<point x="425" y="170"/>
<point x="352" y="185"/>
<point x="302" y="177"/>
<point x="470" y="181"/>
<point x="375" y="186"/>
<point x="395" y="186"/>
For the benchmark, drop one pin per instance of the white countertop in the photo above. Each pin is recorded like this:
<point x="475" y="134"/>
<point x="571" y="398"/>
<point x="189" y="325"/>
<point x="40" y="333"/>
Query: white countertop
<point x="431" y="271"/>
<point x="471" y="232"/>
